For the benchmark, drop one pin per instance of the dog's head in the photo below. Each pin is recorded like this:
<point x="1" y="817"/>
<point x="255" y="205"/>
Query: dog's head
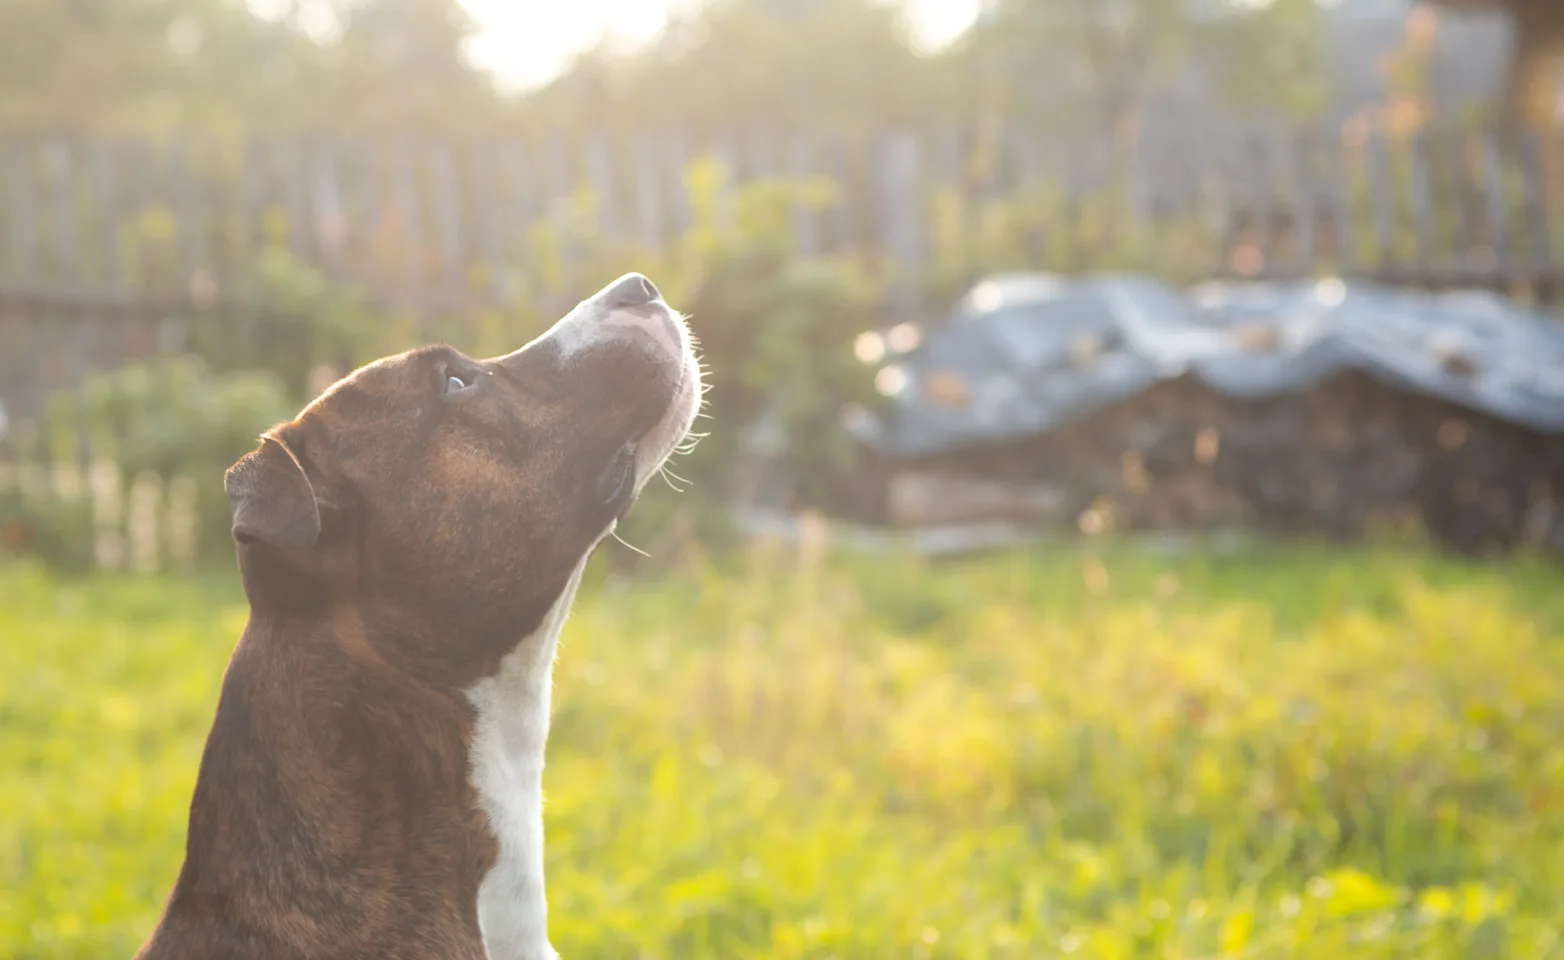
<point x="466" y="491"/>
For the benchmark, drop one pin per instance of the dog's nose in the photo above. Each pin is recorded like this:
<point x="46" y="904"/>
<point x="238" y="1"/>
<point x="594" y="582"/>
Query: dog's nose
<point x="630" y="290"/>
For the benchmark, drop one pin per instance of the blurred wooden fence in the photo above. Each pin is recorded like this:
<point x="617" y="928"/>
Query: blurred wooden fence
<point x="435" y="225"/>
<point x="101" y="238"/>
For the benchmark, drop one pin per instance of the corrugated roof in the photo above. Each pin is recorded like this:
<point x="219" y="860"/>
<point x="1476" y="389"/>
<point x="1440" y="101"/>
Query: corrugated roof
<point x="1023" y="353"/>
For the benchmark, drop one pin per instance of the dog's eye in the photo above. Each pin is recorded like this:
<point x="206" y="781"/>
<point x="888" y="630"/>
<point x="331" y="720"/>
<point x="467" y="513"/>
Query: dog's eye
<point x="454" y="383"/>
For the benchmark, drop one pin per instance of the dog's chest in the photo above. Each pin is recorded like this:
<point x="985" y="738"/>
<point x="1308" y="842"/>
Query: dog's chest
<point x="510" y="732"/>
<point x="509" y="735"/>
<point x="511" y="720"/>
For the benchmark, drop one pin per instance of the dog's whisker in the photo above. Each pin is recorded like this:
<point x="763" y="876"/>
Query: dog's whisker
<point x="670" y="477"/>
<point x="630" y="546"/>
<point x="665" y="474"/>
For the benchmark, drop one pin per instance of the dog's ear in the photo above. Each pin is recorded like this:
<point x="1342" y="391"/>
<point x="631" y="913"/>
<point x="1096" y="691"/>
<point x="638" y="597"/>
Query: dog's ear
<point x="273" y="501"/>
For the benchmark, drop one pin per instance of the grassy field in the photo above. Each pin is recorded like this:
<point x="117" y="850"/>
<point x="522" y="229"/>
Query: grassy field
<point x="1290" y="754"/>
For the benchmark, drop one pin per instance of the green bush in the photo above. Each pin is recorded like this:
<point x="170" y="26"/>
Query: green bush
<point x="775" y="332"/>
<point x="176" y="417"/>
<point x="56" y="530"/>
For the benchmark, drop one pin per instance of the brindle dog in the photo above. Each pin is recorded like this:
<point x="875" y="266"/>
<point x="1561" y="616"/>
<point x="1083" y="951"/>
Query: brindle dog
<point x="410" y="546"/>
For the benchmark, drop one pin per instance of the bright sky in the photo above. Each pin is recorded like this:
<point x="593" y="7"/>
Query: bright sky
<point x="526" y="42"/>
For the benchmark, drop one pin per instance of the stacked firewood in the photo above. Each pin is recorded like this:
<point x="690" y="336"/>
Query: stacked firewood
<point x="1349" y="457"/>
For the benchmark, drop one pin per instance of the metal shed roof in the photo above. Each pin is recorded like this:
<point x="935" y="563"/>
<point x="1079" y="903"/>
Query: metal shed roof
<point x="1022" y="353"/>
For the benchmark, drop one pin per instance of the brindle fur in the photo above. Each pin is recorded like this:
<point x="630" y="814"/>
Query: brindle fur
<point x="396" y="542"/>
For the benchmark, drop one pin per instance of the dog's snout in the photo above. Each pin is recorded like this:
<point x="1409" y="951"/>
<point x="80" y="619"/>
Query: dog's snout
<point x="628" y="312"/>
<point x="632" y="306"/>
<point x="630" y="290"/>
<point x="658" y="326"/>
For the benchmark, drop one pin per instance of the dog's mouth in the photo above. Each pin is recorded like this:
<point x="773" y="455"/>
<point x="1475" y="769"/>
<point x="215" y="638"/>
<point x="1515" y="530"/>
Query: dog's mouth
<point x="616" y="484"/>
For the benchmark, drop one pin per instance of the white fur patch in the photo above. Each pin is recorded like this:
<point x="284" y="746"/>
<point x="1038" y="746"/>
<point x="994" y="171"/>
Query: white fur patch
<point x="507" y="772"/>
<point x="513" y="705"/>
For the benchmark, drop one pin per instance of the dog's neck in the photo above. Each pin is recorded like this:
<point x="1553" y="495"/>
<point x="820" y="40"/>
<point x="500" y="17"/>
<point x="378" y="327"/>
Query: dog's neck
<point x="333" y="809"/>
<point x="344" y="800"/>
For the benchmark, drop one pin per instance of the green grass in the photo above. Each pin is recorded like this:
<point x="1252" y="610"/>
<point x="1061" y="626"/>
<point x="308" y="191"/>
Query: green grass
<point x="1289" y="754"/>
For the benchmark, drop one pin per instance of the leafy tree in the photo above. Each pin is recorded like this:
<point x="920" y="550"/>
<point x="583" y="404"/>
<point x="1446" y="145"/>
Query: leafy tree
<point x="399" y="65"/>
<point x="104" y="65"/>
<point x="217" y="67"/>
<point x="1101" y="63"/>
<point x="1537" y="64"/>
<point x="743" y="64"/>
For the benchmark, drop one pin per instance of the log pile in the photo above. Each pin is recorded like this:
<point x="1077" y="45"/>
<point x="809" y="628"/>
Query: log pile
<point x="1347" y="458"/>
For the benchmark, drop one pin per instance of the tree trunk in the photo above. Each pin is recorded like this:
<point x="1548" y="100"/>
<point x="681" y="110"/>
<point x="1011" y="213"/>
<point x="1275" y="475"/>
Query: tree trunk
<point x="1537" y="67"/>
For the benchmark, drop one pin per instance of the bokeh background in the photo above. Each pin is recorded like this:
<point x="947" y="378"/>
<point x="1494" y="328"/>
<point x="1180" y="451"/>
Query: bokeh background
<point x="1127" y="521"/>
